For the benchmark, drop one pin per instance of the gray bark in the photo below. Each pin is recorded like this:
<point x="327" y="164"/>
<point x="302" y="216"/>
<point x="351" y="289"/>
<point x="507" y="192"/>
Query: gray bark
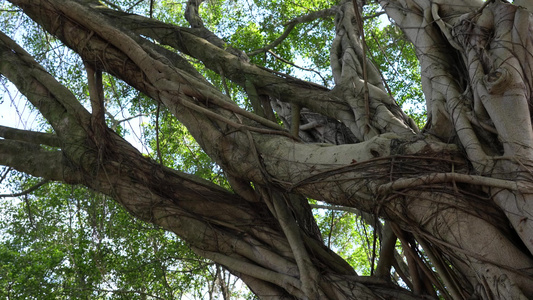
<point x="449" y="190"/>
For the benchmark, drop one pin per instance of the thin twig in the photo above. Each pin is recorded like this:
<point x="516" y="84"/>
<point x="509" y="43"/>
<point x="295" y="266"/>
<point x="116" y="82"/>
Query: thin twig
<point x="296" y="66"/>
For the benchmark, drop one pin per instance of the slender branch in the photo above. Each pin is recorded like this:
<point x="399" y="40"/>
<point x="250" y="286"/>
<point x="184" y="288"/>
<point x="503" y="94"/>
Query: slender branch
<point x="289" y="26"/>
<point x="331" y="226"/>
<point x="28" y="207"/>
<point x="276" y="42"/>
<point x="336" y="207"/>
<point x="26" y="192"/>
<point x="296" y="66"/>
<point x="134" y="5"/>
<point x="379" y="13"/>
<point x="193" y="17"/>
<point x="115" y="122"/>
<point x="111" y="4"/>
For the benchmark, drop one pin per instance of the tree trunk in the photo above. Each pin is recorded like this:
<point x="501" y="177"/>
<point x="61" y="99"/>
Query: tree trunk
<point x="455" y="195"/>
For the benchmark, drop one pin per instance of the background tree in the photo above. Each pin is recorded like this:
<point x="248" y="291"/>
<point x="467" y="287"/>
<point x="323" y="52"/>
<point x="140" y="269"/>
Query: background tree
<point x="449" y="204"/>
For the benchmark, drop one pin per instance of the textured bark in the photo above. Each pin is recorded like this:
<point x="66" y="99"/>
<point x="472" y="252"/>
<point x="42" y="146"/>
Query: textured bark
<point x="452" y="190"/>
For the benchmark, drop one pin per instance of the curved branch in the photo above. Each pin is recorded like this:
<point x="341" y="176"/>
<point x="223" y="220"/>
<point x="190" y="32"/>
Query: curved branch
<point x="289" y="26"/>
<point x="26" y="192"/>
<point x="194" y="43"/>
<point x="296" y="66"/>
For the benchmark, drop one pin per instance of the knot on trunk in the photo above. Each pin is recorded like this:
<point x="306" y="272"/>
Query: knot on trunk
<point x="497" y="81"/>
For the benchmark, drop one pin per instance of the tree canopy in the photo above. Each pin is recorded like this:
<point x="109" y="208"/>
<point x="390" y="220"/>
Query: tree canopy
<point x="266" y="149"/>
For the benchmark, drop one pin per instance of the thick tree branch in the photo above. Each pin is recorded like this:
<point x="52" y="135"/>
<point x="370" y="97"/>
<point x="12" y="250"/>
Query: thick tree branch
<point x="36" y="161"/>
<point x="358" y="83"/>
<point x="42" y="138"/>
<point x="193" y="43"/>
<point x="54" y="101"/>
<point x="493" y="91"/>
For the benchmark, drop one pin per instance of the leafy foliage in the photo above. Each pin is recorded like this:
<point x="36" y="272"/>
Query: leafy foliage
<point x="69" y="242"/>
<point x="349" y="235"/>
